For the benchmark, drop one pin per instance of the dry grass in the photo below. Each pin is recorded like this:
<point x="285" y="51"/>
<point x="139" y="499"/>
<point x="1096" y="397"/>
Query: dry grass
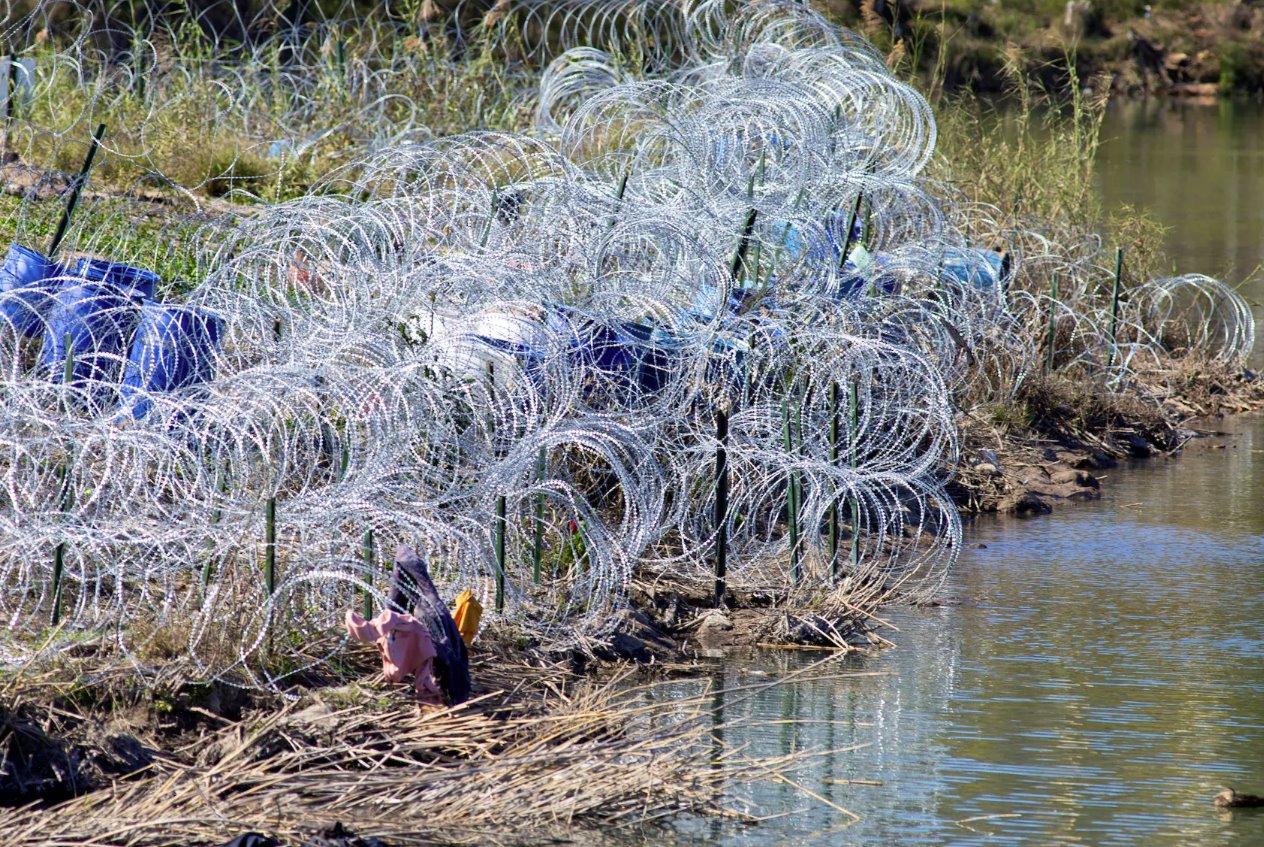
<point x="501" y="769"/>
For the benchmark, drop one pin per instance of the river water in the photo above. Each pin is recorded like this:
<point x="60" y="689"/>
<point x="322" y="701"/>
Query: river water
<point x="1199" y="169"/>
<point x="1099" y="672"/>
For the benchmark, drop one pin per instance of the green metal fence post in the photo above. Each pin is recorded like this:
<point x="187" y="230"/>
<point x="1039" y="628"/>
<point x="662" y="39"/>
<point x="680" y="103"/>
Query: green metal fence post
<point x="792" y="506"/>
<point x="1053" y="303"/>
<point x="216" y="515"/>
<point x="500" y="552"/>
<point x="833" y="459"/>
<point x="64" y="483"/>
<point x="855" y="502"/>
<point x="1114" y="305"/>
<point x="368" y="554"/>
<point x="537" y="550"/>
<point x="76" y="188"/>
<point x="269" y="545"/>
<point x="721" y="505"/>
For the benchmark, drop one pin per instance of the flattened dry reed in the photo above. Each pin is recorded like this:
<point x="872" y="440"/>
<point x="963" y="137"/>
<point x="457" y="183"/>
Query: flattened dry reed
<point x="481" y="773"/>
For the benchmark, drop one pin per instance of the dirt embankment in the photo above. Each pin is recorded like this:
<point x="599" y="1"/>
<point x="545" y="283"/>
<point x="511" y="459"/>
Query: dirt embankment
<point x="1201" y="49"/>
<point x="1070" y="435"/>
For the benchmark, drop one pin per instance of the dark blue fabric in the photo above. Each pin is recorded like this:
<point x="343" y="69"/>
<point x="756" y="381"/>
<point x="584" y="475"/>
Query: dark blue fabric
<point x="174" y="348"/>
<point x="136" y="281"/>
<point x="27" y="281"/>
<point x="412" y="591"/>
<point x="100" y="320"/>
<point x="252" y="839"/>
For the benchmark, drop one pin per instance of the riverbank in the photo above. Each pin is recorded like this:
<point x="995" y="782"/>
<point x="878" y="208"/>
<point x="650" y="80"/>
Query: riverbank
<point x="570" y="366"/>
<point x="1048" y="448"/>
<point x="1195" y="49"/>
<point x="555" y="740"/>
<point x="552" y="744"/>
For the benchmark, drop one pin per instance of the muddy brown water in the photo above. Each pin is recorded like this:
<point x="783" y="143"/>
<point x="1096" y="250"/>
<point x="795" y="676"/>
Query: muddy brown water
<point x="1102" y="674"/>
<point x="1099" y="677"/>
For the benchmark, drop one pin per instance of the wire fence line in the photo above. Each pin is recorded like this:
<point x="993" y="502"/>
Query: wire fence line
<point x="509" y="349"/>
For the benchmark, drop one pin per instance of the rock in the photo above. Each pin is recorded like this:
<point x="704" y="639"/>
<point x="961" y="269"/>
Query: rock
<point x="987" y="469"/>
<point x="1175" y="61"/>
<point x="121" y="755"/>
<point x="315" y="716"/>
<point x="1193" y="89"/>
<point x="807" y="629"/>
<point x="625" y="646"/>
<point x="1093" y="460"/>
<point x="713" y="623"/>
<point x="1083" y="479"/>
<point x="636" y="637"/>
<point x="1230" y="799"/>
<point x="1024" y="504"/>
<point x="1136" y="445"/>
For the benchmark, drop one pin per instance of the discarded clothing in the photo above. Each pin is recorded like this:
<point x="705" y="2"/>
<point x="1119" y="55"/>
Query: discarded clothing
<point x="413" y="590"/>
<point x="467" y="614"/>
<point x="406" y="649"/>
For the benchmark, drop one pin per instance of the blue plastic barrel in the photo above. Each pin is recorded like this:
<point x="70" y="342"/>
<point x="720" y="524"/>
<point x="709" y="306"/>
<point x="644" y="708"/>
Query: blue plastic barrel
<point x="135" y="281"/>
<point x="627" y="354"/>
<point x="970" y="266"/>
<point x="27" y="281"/>
<point x="100" y="320"/>
<point x="811" y="246"/>
<point x="175" y="347"/>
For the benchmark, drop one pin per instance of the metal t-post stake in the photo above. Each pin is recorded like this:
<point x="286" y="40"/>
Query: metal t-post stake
<point x="855" y="502"/>
<point x="368" y="555"/>
<point x="537" y="549"/>
<point x="721" y="505"/>
<point x="1053" y="304"/>
<point x="1114" y="306"/>
<point x="833" y="459"/>
<point x="76" y="188"/>
<point x="64" y="490"/>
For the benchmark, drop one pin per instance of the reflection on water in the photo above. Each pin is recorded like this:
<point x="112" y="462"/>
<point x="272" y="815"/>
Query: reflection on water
<point x="1101" y="677"/>
<point x="1199" y="169"/>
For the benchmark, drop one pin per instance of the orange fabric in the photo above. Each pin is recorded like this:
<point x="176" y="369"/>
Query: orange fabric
<point x="467" y="616"/>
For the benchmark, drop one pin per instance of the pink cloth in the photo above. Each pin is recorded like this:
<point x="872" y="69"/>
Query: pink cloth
<point x="406" y="649"/>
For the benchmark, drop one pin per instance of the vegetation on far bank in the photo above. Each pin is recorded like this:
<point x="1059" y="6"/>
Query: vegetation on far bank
<point x="1176" y="47"/>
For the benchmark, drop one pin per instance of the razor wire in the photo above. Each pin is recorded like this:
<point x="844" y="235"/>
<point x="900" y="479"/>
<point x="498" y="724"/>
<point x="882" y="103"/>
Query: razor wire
<point x="508" y="349"/>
